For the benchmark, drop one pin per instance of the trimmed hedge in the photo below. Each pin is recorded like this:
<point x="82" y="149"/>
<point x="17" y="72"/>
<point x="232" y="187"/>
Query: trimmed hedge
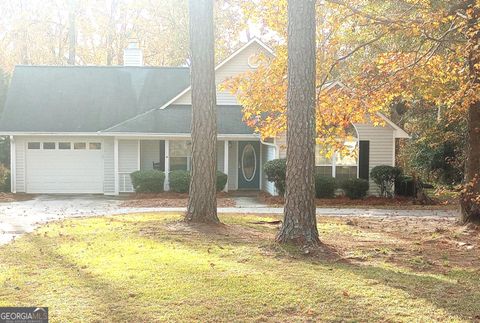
<point x="385" y="177"/>
<point x="148" y="181"/>
<point x="4" y="178"/>
<point x="276" y="171"/>
<point x="355" y="188"/>
<point x="324" y="186"/>
<point x="179" y="181"/>
<point x="221" y="181"/>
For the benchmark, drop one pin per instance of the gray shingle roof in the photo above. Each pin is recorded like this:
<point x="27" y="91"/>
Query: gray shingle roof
<point x="175" y="119"/>
<point x="85" y="99"/>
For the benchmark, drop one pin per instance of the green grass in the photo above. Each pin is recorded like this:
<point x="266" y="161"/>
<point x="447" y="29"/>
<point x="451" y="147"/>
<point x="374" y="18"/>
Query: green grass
<point x="148" y="267"/>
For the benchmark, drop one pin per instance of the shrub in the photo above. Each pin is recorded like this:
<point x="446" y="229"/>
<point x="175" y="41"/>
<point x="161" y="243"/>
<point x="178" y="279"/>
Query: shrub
<point x="179" y="181"/>
<point x="408" y="186"/>
<point x="324" y="186"/>
<point x="385" y="176"/>
<point x="148" y="181"/>
<point x="355" y="188"/>
<point x="405" y="186"/>
<point x="221" y="180"/>
<point x="4" y="179"/>
<point x="276" y="171"/>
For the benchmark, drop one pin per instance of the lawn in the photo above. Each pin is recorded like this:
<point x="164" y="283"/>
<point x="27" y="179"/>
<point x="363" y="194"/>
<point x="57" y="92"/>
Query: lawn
<point x="151" y="267"/>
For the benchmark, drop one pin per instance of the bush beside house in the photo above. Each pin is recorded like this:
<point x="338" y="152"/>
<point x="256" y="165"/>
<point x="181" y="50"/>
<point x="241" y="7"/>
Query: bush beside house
<point x="324" y="186"/>
<point x="276" y="170"/>
<point x="4" y="179"/>
<point x="222" y="179"/>
<point x="179" y="181"/>
<point x="385" y="177"/>
<point x="148" y="181"/>
<point x="355" y="188"/>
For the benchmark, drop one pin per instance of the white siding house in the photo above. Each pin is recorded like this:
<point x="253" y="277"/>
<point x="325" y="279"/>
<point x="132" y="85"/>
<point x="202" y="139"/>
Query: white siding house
<point x="111" y="121"/>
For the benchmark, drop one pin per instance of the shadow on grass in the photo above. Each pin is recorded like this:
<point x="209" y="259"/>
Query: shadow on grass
<point x="273" y="264"/>
<point x="109" y="301"/>
<point x="457" y="297"/>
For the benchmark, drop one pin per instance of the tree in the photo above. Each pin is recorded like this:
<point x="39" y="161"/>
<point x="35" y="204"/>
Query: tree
<point x="40" y="32"/>
<point x="202" y="201"/>
<point x="300" y="222"/>
<point x="383" y="51"/>
<point x="470" y="202"/>
<point x="3" y="89"/>
<point x="72" y="32"/>
<point x="436" y="149"/>
<point x="262" y="92"/>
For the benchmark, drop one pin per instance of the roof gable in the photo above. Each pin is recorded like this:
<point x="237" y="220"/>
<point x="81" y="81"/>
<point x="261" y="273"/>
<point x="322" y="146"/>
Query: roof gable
<point x="239" y="63"/>
<point x="235" y="64"/>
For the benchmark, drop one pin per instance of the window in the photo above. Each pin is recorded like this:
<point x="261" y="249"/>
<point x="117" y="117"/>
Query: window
<point x="64" y="145"/>
<point x="320" y="156"/>
<point x="323" y="164"/>
<point x="33" y="145"/>
<point x="49" y="145"/>
<point x="344" y="172"/>
<point x="324" y="171"/>
<point x="249" y="163"/>
<point x="79" y="145"/>
<point x="95" y="146"/>
<point x="180" y="155"/>
<point x="346" y="164"/>
<point x="340" y="166"/>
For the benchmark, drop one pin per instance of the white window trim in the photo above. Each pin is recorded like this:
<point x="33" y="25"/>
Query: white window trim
<point x="188" y="156"/>
<point x="334" y="165"/>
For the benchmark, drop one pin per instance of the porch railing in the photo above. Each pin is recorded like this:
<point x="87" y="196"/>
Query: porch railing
<point x="125" y="183"/>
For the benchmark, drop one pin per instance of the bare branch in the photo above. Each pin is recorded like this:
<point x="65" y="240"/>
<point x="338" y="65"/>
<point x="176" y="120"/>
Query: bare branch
<point x="346" y="56"/>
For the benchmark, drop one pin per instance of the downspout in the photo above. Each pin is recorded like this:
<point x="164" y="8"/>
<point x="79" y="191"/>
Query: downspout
<point x="13" y="166"/>
<point x="268" y="143"/>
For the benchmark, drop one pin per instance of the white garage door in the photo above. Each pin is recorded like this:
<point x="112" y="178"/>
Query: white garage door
<point x="64" y="167"/>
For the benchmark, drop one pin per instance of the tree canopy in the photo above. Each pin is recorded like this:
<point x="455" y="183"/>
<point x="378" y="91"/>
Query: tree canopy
<point x="381" y="51"/>
<point x="36" y="32"/>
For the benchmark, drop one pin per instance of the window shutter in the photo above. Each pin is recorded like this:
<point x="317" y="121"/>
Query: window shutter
<point x="364" y="159"/>
<point x="162" y="155"/>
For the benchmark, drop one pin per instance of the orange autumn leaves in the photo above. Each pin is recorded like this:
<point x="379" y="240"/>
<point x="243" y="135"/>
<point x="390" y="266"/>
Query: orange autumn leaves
<point x="416" y="56"/>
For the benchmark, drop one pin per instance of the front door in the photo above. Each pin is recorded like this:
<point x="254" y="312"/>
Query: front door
<point x="248" y="165"/>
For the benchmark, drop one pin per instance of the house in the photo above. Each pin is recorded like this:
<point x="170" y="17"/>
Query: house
<point x="84" y="129"/>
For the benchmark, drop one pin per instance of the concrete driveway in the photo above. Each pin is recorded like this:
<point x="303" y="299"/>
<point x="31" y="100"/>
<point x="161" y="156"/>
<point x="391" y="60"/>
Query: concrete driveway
<point x="20" y="217"/>
<point x="24" y="216"/>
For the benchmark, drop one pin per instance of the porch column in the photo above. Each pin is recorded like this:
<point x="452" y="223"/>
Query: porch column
<point x="115" y="163"/>
<point x="225" y="163"/>
<point x="138" y="155"/>
<point x="13" y="165"/>
<point x="167" y="165"/>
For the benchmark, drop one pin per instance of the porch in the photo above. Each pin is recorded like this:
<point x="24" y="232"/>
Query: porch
<point x="241" y="159"/>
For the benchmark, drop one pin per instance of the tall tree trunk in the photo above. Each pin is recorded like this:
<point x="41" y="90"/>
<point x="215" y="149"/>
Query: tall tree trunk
<point x="470" y="201"/>
<point x="300" y="224"/>
<point x="72" y="39"/>
<point x="202" y="201"/>
<point x="111" y="32"/>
